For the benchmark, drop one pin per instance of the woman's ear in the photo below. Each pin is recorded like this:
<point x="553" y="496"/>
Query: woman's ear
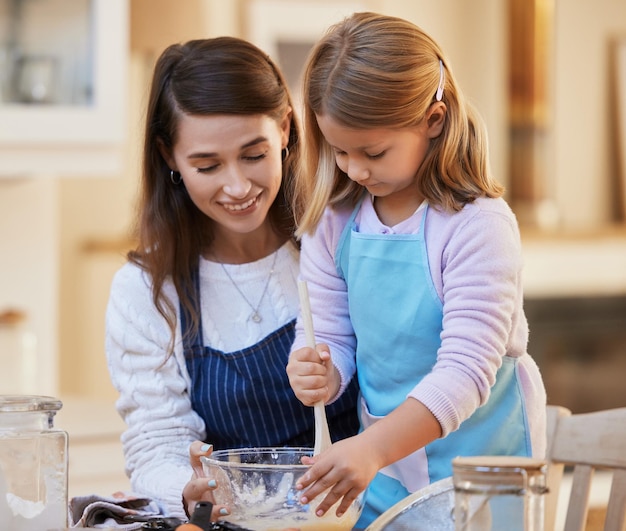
<point x="435" y="118"/>
<point x="166" y="154"/>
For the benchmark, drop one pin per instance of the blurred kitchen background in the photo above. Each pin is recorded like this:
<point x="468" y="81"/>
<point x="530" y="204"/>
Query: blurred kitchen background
<point x="548" y="76"/>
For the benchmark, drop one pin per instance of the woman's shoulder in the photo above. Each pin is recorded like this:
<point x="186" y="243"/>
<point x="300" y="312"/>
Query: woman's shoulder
<point x="132" y="286"/>
<point x="131" y="304"/>
<point x="130" y="277"/>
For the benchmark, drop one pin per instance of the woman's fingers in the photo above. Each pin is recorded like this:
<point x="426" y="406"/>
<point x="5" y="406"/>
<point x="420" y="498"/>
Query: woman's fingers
<point x="198" y="489"/>
<point x="198" y="449"/>
<point x="201" y="489"/>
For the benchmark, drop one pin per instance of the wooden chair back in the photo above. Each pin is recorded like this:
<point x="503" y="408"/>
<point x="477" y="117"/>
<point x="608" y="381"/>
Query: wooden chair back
<point x="588" y="441"/>
<point x="555" y="470"/>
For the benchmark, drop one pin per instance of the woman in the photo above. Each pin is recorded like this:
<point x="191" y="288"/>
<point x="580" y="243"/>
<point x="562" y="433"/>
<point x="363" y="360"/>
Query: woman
<point x="201" y="319"/>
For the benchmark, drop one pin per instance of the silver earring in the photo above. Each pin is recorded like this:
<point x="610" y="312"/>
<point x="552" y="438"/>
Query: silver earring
<point x="175" y="177"/>
<point x="285" y="153"/>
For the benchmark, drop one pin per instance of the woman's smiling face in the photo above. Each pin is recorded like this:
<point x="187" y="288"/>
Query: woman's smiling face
<point x="231" y="166"/>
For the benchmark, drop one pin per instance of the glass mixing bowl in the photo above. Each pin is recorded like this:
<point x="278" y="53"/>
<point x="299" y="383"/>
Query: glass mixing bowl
<point x="258" y="485"/>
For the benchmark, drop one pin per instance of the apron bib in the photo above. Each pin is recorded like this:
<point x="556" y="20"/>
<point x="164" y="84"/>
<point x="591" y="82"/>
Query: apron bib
<point x="389" y="284"/>
<point x="245" y="399"/>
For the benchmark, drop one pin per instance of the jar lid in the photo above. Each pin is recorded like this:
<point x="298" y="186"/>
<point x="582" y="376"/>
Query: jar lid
<point x="24" y="403"/>
<point x="499" y="474"/>
<point x="495" y="463"/>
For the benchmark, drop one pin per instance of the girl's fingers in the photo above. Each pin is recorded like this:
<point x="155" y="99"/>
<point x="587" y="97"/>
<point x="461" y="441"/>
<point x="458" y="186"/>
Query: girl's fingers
<point x="312" y="397"/>
<point x="333" y="496"/>
<point x="330" y="500"/>
<point x="314" y="486"/>
<point x="346" y="502"/>
<point x="322" y="351"/>
<point x="325" y="483"/>
<point x="310" y="476"/>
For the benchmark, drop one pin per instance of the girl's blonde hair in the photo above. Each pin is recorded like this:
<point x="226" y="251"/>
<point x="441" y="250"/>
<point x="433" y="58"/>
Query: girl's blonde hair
<point x="377" y="71"/>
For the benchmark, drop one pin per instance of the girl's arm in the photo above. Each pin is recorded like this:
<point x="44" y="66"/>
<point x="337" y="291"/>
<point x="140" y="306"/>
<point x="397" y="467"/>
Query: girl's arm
<point x="348" y="466"/>
<point x="479" y="277"/>
<point x="328" y="297"/>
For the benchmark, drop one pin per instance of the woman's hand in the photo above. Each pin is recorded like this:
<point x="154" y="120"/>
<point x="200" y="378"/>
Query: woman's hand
<point x="312" y="375"/>
<point x="199" y="487"/>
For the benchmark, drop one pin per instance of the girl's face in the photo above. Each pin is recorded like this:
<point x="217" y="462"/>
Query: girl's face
<point x="231" y="166"/>
<point x="385" y="161"/>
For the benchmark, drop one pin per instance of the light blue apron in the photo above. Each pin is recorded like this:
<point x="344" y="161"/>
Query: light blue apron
<point x="397" y="318"/>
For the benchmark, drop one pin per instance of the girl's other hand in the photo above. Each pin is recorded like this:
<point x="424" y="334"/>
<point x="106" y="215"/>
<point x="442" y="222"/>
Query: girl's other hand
<point x="309" y="371"/>
<point x="345" y="470"/>
<point x="199" y="487"/>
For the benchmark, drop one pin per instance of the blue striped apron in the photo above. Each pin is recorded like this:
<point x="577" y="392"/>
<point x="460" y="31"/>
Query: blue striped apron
<point x="245" y="399"/>
<point x="389" y="284"/>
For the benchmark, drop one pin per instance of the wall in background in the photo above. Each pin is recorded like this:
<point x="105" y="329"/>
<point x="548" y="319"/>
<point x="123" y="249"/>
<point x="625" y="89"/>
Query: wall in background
<point x="61" y="239"/>
<point x="29" y="272"/>
<point x="473" y="35"/>
<point x="584" y="165"/>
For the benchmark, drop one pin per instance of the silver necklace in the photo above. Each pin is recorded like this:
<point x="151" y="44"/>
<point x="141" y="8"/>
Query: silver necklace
<point x="255" y="315"/>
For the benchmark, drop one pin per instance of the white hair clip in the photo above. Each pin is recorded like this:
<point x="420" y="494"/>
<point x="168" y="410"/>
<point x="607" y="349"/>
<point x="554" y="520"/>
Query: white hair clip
<point x="439" y="94"/>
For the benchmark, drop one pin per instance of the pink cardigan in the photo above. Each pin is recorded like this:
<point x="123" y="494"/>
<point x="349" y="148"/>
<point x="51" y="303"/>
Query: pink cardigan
<point x="476" y="264"/>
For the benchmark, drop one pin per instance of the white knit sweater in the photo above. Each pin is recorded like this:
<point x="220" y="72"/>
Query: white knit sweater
<point x="154" y="400"/>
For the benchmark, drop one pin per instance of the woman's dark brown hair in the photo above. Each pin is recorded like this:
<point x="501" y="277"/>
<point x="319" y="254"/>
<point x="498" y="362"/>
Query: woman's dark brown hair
<point x="224" y="75"/>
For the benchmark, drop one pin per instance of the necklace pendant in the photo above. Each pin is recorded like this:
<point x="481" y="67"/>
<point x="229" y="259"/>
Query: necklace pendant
<point x="256" y="317"/>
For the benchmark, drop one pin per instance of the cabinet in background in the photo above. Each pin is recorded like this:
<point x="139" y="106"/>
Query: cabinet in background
<point x="63" y="85"/>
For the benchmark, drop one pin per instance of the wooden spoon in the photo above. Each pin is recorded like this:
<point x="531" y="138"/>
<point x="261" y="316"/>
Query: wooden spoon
<point x="322" y="435"/>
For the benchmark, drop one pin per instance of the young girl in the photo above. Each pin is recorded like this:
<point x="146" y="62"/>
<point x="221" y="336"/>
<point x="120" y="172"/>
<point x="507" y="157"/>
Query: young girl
<point x="413" y="263"/>
<point x="201" y="319"/>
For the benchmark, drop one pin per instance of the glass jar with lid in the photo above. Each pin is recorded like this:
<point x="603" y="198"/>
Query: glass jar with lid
<point x="33" y="464"/>
<point x="499" y="492"/>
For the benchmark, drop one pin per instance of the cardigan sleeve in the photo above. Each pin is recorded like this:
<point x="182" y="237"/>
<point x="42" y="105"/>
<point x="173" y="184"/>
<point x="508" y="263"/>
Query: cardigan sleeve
<point x="476" y="265"/>
<point x="328" y="295"/>
<point x="153" y="391"/>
